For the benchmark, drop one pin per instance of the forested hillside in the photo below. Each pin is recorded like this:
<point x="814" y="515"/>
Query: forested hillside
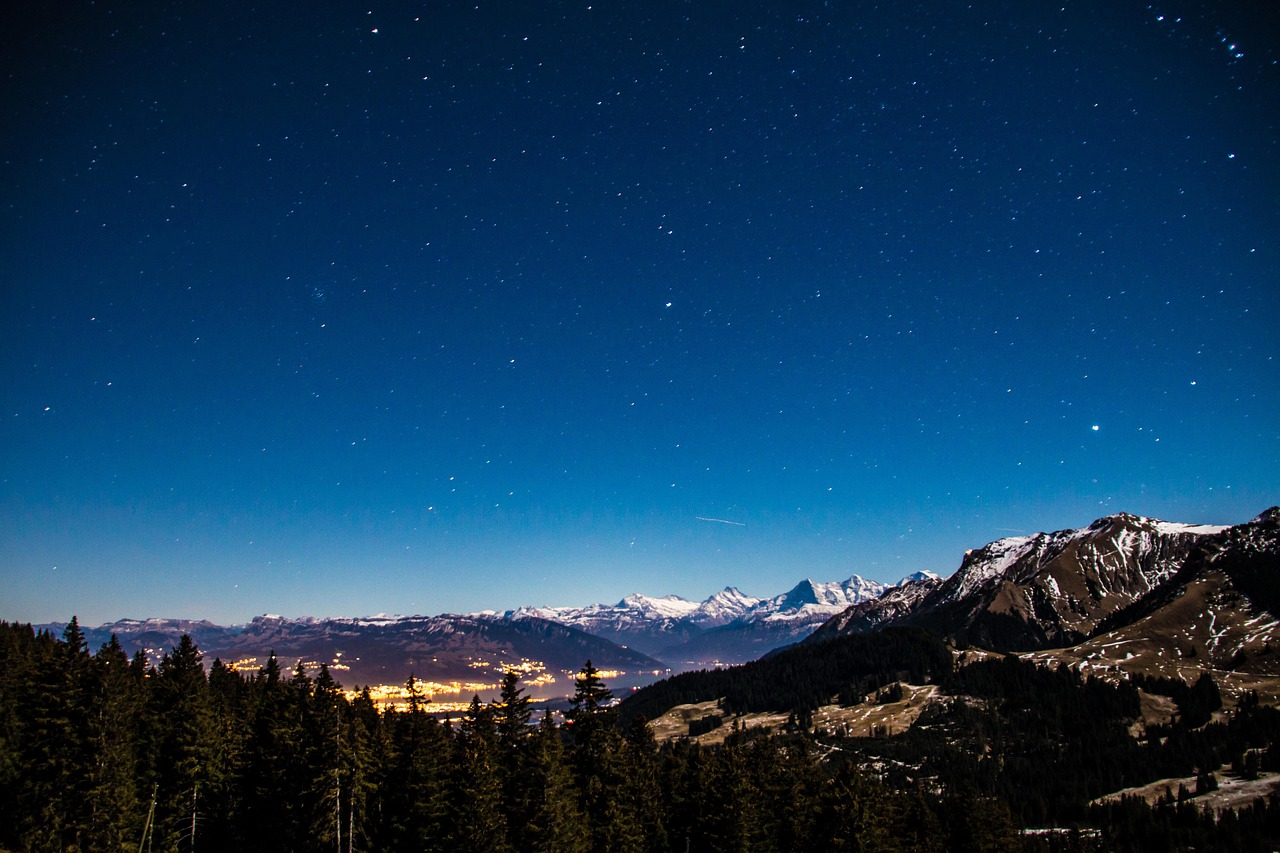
<point x="102" y="752"/>
<point x="804" y="678"/>
<point x="96" y="748"/>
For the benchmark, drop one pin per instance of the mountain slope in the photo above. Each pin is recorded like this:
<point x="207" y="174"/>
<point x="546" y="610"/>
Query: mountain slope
<point x="1157" y="599"/>
<point x="1219" y="612"/>
<point x="1056" y="589"/>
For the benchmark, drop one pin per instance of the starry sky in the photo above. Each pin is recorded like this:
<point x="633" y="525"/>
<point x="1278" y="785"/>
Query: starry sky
<point x="335" y="309"/>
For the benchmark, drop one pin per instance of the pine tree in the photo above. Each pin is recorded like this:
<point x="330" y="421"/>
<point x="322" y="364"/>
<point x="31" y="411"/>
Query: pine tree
<point x="179" y="707"/>
<point x="610" y="803"/>
<point x="590" y="696"/>
<point x="512" y="756"/>
<point x="598" y="764"/>
<point x="731" y="813"/>
<point x="17" y="645"/>
<point x="479" y="823"/>
<point x="416" y="761"/>
<point x="220" y="797"/>
<point x="853" y="814"/>
<point x="976" y="824"/>
<point x="327" y="758"/>
<point x="115" y="805"/>
<point x="413" y="687"/>
<point x="513" y="712"/>
<point x="642" y="769"/>
<point x="277" y="777"/>
<point x="56" y="746"/>
<point x="1205" y="782"/>
<point x="687" y="781"/>
<point x="367" y="756"/>
<point x="919" y="829"/>
<point x="555" y="820"/>
<point x="590" y="708"/>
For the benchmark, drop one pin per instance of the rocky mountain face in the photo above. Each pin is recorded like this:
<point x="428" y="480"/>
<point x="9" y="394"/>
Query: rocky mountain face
<point x="1219" y="613"/>
<point x="1121" y="588"/>
<point x="1052" y="589"/>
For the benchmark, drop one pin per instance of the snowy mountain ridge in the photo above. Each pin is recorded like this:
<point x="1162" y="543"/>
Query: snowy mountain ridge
<point x="1045" y="589"/>
<point x="1025" y="592"/>
<point x="718" y="609"/>
<point x="804" y="601"/>
<point x="728" y="627"/>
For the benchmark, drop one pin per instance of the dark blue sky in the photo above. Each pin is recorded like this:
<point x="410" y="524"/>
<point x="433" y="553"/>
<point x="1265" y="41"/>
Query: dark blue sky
<point x="330" y="310"/>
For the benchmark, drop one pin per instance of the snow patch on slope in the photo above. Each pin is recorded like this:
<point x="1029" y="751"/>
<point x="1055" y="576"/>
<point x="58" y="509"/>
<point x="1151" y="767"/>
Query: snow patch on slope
<point x="990" y="563"/>
<point x="1194" y="529"/>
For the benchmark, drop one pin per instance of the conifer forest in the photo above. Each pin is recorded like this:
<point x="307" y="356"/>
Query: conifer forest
<point x="103" y="752"/>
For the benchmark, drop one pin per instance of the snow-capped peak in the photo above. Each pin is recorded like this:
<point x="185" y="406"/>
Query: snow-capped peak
<point x="1100" y="543"/>
<point x="730" y="596"/>
<point x="723" y="607"/>
<point x="808" y="599"/>
<point x="666" y="607"/>
<point x="916" y="577"/>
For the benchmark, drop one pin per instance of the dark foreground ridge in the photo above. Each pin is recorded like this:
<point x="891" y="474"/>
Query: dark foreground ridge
<point x="100" y="752"/>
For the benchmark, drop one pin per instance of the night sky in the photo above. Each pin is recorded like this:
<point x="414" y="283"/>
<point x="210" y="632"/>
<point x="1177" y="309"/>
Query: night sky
<point x="324" y="309"/>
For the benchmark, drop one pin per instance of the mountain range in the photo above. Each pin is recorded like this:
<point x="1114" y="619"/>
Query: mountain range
<point x="1168" y="608"/>
<point x="638" y="638"/>
<point x="1123" y="589"/>
<point x="471" y="649"/>
<point x="1126" y="593"/>
<point x="727" y="628"/>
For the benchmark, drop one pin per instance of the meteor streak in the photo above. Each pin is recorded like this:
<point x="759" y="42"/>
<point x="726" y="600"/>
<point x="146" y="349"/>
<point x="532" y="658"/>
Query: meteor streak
<point x="721" y="521"/>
